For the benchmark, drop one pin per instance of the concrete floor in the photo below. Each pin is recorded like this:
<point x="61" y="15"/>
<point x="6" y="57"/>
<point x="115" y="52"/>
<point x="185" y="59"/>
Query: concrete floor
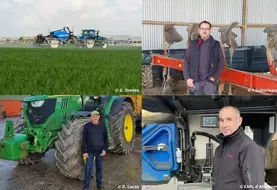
<point x="117" y="171"/>
<point x="174" y="184"/>
<point x="181" y="89"/>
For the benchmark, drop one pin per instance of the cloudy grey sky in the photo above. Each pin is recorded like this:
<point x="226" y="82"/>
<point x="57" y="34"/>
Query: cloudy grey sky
<point x="31" y="17"/>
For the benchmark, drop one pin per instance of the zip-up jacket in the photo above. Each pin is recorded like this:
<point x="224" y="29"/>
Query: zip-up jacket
<point x="192" y="67"/>
<point x="238" y="163"/>
<point x="95" y="138"/>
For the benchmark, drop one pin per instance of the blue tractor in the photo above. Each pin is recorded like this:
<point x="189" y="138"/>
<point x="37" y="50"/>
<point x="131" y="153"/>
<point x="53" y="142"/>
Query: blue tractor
<point x="90" y="38"/>
<point x="57" y="37"/>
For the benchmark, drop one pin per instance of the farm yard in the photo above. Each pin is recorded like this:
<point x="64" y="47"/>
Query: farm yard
<point x="28" y="70"/>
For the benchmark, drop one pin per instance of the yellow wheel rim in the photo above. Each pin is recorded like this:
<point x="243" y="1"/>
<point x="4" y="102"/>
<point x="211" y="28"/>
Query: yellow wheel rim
<point x="128" y="128"/>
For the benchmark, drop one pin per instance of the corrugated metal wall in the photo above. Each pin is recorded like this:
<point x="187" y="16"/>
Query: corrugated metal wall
<point x="193" y="10"/>
<point x="215" y="11"/>
<point x="260" y="12"/>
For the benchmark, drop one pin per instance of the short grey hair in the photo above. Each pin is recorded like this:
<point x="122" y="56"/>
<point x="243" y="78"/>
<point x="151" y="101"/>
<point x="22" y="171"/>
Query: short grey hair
<point x="233" y="107"/>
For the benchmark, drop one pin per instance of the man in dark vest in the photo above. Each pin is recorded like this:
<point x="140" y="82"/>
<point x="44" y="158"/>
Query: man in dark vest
<point x="204" y="62"/>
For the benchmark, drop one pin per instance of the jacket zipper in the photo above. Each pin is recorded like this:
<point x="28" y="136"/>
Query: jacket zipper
<point x="217" y="169"/>
<point x="198" y="59"/>
<point x="211" y="59"/>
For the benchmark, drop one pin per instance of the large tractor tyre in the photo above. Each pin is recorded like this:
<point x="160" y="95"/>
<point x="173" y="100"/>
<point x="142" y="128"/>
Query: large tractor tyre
<point x="104" y="44"/>
<point x="68" y="153"/>
<point x="147" y="76"/>
<point x="123" y="129"/>
<point x="90" y="43"/>
<point x="54" y="43"/>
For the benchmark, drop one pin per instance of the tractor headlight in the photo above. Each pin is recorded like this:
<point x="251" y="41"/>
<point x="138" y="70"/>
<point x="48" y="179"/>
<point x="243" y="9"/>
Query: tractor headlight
<point x="37" y="103"/>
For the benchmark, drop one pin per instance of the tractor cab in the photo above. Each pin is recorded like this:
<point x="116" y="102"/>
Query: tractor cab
<point x="89" y="104"/>
<point x="90" y="32"/>
<point x="90" y="38"/>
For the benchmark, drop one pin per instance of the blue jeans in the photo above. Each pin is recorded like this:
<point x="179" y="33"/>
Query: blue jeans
<point x="89" y="166"/>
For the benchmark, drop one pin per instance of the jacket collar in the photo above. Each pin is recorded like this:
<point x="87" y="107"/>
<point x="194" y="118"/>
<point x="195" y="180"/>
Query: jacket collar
<point x="211" y="40"/>
<point x="230" y="138"/>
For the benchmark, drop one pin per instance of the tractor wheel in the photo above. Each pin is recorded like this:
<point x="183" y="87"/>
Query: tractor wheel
<point x="90" y="43"/>
<point x="147" y="76"/>
<point x="68" y="153"/>
<point x="104" y="44"/>
<point x="54" y="43"/>
<point x="123" y="129"/>
<point x="19" y="126"/>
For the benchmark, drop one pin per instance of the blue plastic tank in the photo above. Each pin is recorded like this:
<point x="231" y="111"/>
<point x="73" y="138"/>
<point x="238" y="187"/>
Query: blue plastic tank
<point x="158" y="165"/>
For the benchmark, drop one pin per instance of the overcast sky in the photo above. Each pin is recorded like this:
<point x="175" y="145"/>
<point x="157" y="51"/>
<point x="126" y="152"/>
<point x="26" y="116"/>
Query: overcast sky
<point x="31" y="17"/>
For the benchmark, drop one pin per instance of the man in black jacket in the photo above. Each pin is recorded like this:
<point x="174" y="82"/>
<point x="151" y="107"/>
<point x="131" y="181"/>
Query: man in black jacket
<point x="95" y="145"/>
<point x="204" y="62"/>
<point x="239" y="162"/>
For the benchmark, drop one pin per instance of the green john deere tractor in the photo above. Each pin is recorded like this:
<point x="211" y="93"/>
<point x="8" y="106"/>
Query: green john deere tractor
<point x="57" y="122"/>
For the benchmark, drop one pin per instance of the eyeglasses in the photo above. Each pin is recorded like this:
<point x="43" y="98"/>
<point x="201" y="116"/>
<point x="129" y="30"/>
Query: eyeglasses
<point x="205" y="29"/>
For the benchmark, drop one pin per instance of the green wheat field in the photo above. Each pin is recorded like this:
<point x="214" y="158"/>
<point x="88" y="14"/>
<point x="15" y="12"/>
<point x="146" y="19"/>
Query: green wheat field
<point x="70" y="71"/>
